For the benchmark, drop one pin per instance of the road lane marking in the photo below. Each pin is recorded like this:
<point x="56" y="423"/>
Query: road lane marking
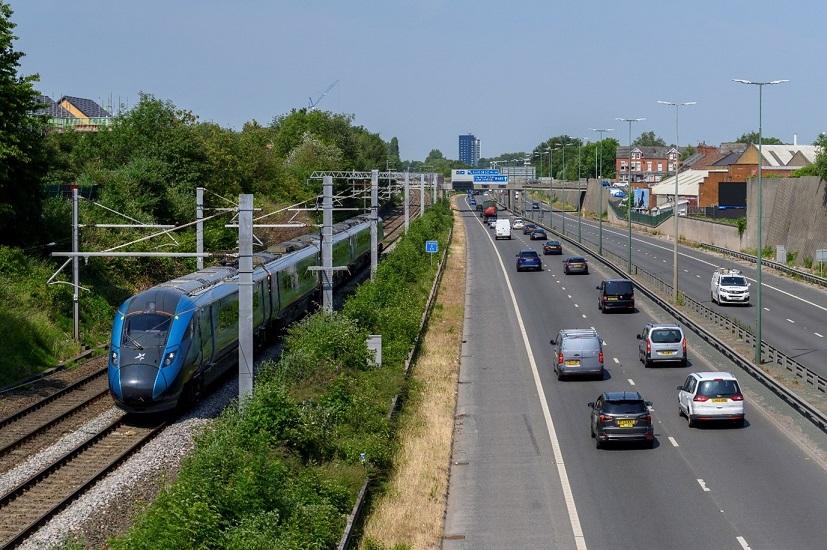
<point x="698" y="276"/>
<point x="568" y="494"/>
<point x="615" y="360"/>
<point x="575" y="305"/>
<point x="584" y="315"/>
<point x="819" y="335"/>
<point x="569" y="295"/>
<point x="702" y="483"/>
<point x="631" y="382"/>
<point x="673" y="442"/>
<point x="766" y="309"/>
<point x="790" y="321"/>
<point x="743" y="542"/>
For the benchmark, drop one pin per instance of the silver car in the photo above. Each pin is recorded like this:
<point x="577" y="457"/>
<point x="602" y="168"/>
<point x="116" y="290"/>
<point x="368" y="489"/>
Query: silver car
<point x="662" y="343"/>
<point x="578" y="352"/>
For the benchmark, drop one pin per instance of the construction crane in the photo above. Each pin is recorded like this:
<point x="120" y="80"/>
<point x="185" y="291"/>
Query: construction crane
<point x="312" y="104"/>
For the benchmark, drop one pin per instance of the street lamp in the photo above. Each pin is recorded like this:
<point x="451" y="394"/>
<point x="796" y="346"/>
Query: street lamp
<point x="760" y="249"/>
<point x="630" y="195"/>
<point x="551" y="186"/>
<point x="579" y="197"/>
<point x="600" y="131"/>
<point x="677" y="107"/>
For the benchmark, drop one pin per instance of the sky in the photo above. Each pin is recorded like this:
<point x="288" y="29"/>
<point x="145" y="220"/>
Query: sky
<point x="512" y="73"/>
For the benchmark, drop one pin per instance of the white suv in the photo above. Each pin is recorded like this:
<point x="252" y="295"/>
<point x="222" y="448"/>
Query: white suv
<point x="729" y="286"/>
<point x="711" y="396"/>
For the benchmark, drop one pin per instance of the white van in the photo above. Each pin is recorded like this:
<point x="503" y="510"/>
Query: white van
<point x="729" y="286"/>
<point x="503" y="229"/>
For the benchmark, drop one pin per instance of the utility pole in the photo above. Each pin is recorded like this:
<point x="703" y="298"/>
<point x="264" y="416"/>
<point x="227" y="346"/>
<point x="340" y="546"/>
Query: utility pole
<point x="327" y="244"/>
<point x="631" y="195"/>
<point x="407" y="201"/>
<point x="599" y="151"/>
<point x="433" y="195"/>
<point x="199" y="227"/>
<point x="245" y="298"/>
<point x="374" y="217"/>
<point x="421" y="195"/>
<point x="75" y="265"/>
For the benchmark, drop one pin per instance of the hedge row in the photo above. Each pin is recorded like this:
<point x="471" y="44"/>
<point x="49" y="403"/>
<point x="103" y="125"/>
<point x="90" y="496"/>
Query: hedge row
<point x="284" y="472"/>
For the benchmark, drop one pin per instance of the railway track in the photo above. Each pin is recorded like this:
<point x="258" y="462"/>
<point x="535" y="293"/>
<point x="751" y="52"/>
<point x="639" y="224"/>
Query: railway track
<point x="31" y="503"/>
<point x="49" y="412"/>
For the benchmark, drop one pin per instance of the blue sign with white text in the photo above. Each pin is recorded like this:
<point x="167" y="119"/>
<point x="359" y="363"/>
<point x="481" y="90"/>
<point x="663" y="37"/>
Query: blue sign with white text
<point x="492" y="179"/>
<point x="431" y="247"/>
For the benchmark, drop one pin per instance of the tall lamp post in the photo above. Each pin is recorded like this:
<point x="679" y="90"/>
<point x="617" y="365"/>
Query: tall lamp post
<point x="630" y="197"/>
<point x="579" y="190"/>
<point x="760" y="247"/>
<point x="599" y="177"/>
<point x="677" y="107"/>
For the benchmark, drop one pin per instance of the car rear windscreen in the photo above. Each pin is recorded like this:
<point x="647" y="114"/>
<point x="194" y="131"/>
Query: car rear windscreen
<point x="624" y="407"/>
<point x="718" y="388"/>
<point x="586" y="343"/>
<point x="619" y="287"/>
<point x="666" y="336"/>
<point x="528" y="254"/>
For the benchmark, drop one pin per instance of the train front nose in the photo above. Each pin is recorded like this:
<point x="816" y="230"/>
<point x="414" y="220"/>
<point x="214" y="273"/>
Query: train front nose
<point x="137" y="382"/>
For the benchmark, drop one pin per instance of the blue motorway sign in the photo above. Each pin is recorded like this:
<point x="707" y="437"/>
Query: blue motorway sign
<point x="491" y="179"/>
<point x="479" y="172"/>
<point x="431" y="247"/>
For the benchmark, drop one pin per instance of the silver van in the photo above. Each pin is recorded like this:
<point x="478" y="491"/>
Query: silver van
<point x="578" y="352"/>
<point x="662" y="343"/>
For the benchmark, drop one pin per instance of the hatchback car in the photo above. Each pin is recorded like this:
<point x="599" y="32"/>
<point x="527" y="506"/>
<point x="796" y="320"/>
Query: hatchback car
<point x="711" y="396"/>
<point x="529" y="260"/>
<point x="538" y="235"/>
<point x="662" y="343"/>
<point x="518" y="224"/>
<point x="552" y="247"/>
<point x="616" y="294"/>
<point x="579" y="352"/>
<point x="621" y="416"/>
<point x="528" y="228"/>
<point x="492" y="223"/>
<point x="575" y="264"/>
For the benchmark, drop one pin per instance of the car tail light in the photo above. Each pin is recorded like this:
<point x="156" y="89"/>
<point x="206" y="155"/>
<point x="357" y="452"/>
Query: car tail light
<point x="559" y="358"/>
<point x="683" y="345"/>
<point x="647" y="418"/>
<point x="700" y="398"/>
<point x="737" y="397"/>
<point x="605" y="418"/>
<point x="600" y="357"/>
<point x="648" y="347"/>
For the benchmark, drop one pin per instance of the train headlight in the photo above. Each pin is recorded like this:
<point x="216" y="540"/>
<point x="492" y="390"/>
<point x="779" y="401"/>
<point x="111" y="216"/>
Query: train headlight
<point x="114" y="358"/>
<point x="169" y="358"/>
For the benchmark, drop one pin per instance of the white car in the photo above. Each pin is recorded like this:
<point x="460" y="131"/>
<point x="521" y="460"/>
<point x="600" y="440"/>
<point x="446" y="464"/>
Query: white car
<point x="729" y="286"/>
<point x="518" y="224"/>
<point x="711" y="396"/>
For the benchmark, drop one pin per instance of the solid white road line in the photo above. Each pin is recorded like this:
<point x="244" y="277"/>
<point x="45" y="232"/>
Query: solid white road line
<point x="631" y="382"/>
<point x="743" y="542"/>
<point x="673" y="442"/>
<point x="568" y="495"/>
<point x="702" y="483"/>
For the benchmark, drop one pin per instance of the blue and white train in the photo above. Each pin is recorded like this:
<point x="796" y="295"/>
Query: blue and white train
<point x="171" y="341"/>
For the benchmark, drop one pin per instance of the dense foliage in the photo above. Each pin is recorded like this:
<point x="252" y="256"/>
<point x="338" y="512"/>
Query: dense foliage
<point x="649" y="139"/>
<point x="283" y="473"/>
<point x="568" y="158"/>
<point x="752" y="137"/>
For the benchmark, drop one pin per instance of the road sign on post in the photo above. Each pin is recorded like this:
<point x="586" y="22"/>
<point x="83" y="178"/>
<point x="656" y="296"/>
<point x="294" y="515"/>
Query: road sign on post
<point x="431" y="247"/>
<point x="821" y="257"/>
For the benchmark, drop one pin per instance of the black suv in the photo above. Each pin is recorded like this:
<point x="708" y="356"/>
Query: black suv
<point x="616" y="294"/>
<point x="621" y="416"/>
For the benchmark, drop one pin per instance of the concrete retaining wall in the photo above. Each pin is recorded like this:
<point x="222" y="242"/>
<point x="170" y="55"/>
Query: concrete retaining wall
<point x="794" y="214"/>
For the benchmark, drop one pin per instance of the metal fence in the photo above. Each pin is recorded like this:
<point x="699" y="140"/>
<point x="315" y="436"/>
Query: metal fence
<point x="640" y="217"/>
<point x="809" y="277"/>
<point x="715" y="212"/>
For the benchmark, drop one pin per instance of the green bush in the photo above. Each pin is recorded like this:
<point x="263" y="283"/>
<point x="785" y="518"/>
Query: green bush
<point x="807" y="261"/>
<point x="284" y="472"/>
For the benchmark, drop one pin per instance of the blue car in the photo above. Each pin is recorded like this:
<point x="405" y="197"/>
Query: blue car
<point x="529" y="260"/>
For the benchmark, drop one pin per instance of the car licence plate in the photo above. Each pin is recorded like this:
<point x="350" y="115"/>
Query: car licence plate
<point x="572" y="363"/>
<point x="667" y="352"/>
<point x="612" y="298"/>
<point x="720" y="400"/>
<point x="626" y="423"/>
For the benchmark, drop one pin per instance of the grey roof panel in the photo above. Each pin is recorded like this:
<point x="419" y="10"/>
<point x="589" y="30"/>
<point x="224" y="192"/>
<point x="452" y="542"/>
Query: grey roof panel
<point x="87" y="106"/>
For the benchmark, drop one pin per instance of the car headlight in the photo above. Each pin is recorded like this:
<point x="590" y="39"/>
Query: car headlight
<point x="169" y="358"/>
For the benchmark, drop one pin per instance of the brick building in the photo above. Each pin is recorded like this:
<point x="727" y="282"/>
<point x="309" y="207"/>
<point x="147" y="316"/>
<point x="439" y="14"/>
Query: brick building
<point x="649" y="163"/>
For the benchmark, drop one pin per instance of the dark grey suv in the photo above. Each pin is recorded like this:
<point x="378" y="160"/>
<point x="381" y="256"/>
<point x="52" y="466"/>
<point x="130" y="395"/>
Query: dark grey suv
<point x="621" y="416"/>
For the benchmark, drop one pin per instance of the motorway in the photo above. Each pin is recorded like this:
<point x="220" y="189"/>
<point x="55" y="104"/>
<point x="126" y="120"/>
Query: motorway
<point x="795" y="313"/>
<point x="526" y="474"/>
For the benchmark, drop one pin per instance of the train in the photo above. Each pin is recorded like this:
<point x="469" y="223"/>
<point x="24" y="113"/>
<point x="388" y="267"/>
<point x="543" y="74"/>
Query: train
<point x="173" y="340"/>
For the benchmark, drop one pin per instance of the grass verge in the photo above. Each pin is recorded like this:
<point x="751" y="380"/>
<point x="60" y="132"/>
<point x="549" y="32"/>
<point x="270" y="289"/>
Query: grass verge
<point x="284" y="471"/>
<point x="409" y="511"/>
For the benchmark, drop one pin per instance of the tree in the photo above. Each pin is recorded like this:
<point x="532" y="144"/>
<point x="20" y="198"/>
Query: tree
<point x="23" y="154"/>
<point x="649" y="139"/>
<point x="434" y="155"/>
<point x="752" y="137"/>
<point x="393" y="152"/>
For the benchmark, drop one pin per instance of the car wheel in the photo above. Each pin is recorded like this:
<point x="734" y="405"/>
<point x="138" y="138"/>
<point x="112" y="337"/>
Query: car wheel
<point x="740" y="423"/>
<point x="684" y="362"/>
<point x="591" y="432"/>
<point x="650" y="444"/>
<point x="586" y="272"/>
<point x="712" y="298"/>
<point x="680" y="411"/>
<point x="646" y="363"/>
<point x="597" y="443"/>
<point x="692" y="422"/>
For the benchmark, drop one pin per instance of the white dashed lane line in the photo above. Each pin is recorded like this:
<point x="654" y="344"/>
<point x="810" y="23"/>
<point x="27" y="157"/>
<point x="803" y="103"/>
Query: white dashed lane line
<point x="743" y="542"/>
<point x="615" y="360"/>
<point x="702" y="483"/>
<point x="631" y="382"/>
<point x="673" y="442"/>
<point x="790" y="321"/>
<point x="584" y="315"/>
<point x="819" y="335"/>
